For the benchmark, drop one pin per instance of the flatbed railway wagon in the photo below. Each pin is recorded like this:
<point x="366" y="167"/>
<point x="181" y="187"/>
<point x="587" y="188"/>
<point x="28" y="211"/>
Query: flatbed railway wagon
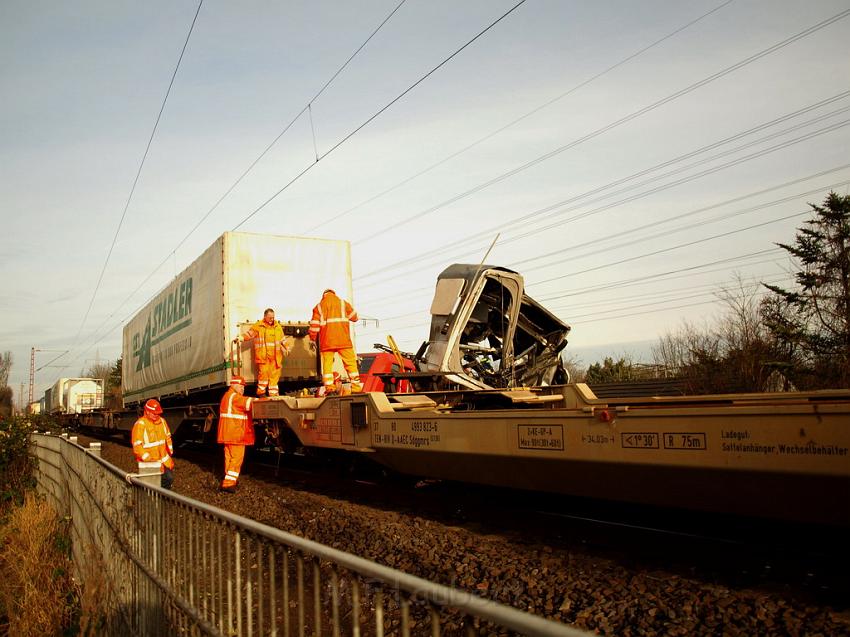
<point x="781" y="456"/>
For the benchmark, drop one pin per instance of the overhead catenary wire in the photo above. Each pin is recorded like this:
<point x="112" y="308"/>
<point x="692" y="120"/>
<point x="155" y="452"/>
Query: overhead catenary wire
<point x="251" y="166"/>
<point x="524" y="219"/>
<point x="623" y="120"/>
<point x="306" y="109"/>
<point x="335" y="146"/>
<point x="668" y="275"/>
<point x="666" y="233"/>
<point x="661" y="277"/>
<point x="708" y="171"/>
<point x="686" y="214"/>
<point x="519" y="119"/>
<point x="664" y="296"/>
<point x="607" y="315"/>
<point x="677" y="217"/>
<point x="676" y="247"/>
<point x="616" y="284"/>
<point x="254" y="163"/>
<point x="139" y="171"/>
<point x="618" y="300"/>
<point x="376" y="115"/>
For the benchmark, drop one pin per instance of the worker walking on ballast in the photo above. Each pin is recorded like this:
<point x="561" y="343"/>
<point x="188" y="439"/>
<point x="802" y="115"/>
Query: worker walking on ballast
<point x="235" y="430"/>
<point x="152" y="444"/>
<point x="269" y="350"/>
<point x="330" y="325"/>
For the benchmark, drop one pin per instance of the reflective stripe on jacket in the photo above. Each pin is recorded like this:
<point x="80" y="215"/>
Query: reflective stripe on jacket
<point x="235" y="425"/>
<point x="152" y="444"/>
<point x="330" y="322"/>
<point x="268" y="342"/>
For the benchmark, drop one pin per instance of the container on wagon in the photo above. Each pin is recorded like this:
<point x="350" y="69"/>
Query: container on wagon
<point x="74" y="396"/>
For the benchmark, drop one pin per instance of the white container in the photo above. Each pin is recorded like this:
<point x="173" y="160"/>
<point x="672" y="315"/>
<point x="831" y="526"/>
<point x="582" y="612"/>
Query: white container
<point x="74" y="396"/>
<point x="80" y="395"/>
<point x="181" y="341"/>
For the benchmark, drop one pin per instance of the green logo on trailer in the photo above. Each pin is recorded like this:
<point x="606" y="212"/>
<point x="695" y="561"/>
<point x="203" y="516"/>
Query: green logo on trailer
<point x="169" y="316"/>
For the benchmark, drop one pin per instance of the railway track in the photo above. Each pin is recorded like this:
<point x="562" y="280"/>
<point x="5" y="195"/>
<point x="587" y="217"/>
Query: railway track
<point x="809" y="562"/>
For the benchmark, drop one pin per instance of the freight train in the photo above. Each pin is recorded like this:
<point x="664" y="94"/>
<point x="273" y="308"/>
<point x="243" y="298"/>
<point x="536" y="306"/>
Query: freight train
<point x="492" y="403"/>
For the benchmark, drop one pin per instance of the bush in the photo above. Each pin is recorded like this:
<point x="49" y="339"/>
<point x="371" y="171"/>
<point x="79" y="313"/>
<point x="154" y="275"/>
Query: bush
<point x="16" y="465"/>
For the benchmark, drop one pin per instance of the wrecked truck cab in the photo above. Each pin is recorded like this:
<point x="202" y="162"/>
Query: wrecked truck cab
<point x="486" y="332"/>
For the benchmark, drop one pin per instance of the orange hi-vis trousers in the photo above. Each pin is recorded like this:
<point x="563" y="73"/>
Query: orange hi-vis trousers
<point x="268" y="376"/>
<point x="233" y="457"/>
<point x="349" y="361"/>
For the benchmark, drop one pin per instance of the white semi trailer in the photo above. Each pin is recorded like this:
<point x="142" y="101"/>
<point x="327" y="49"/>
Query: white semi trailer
<point x="74" y="396"/>
<point x="180" y="344"/>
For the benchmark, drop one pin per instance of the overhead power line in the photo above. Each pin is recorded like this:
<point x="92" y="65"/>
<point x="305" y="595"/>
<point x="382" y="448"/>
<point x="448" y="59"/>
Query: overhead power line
<point x="609" y="236"/>
<point x="377" y="114"/>
<point x="663" y="277"/>
<point x="530" y="216"/>
<point x="337" y="145"/>
<point x="654" y="224"/>
<point x="671" y="248"/>
<point x="139" y="171"/>
<point x="669" y="232"/>
<point x="253" y="164"/>
<point x="709" y="171"/>
<point x="628" y="118"/>
<point x="519" y="119"/>
<point x="667" y="296"/>
<point x="306" y="109"/>
<point x="606" y="315"/>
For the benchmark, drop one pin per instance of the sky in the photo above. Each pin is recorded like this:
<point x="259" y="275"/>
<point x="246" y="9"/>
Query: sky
<point x="633" y="158"/>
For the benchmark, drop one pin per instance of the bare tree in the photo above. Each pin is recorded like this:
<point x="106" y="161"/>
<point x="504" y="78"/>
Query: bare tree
<point x="99" y="370"/>
<point x="574" y="366"/>
<point x="732" y="354"/>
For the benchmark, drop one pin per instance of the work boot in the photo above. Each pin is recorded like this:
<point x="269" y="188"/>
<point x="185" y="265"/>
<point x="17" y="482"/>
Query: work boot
<point x="227" y="489"/>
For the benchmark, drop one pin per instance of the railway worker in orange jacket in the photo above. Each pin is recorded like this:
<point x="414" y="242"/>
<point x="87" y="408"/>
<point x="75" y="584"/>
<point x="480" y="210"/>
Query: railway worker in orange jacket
<point x="235" y="430"/>
<point x="269" y="350"/>
<point x="152" y="443"/>
<point x="330" y="325"/>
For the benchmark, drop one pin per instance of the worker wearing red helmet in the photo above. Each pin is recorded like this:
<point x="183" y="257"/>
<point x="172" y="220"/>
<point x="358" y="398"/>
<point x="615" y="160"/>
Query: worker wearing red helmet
<point x="329" y="324"/>
<point x="269" y="349"/>
<point x="152" y="443"/>
<point x="235" y="430"/>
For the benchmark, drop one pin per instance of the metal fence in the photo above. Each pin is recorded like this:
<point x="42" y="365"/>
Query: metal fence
<point x="162" y="563"/>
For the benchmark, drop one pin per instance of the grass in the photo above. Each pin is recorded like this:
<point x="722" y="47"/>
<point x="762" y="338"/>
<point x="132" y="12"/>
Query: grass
<point x="38" y="593"/>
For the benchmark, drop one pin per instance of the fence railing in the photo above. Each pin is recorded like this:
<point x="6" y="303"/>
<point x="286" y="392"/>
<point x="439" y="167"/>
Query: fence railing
<point x="163" y="562"/>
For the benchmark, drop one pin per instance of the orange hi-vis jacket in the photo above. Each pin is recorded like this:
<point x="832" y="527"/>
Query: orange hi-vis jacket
<point x="235" y="426"/>
<point x="268" y="342"/>
<point x="152" y="444"/>
<point x="330" y="323"/>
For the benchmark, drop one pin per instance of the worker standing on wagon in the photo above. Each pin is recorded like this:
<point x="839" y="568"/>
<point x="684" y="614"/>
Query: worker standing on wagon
<point x="235" y="430"/>
<point x="330" y="325"/>
<point x="269" y="350"/>
<point x="152" y="443"/>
